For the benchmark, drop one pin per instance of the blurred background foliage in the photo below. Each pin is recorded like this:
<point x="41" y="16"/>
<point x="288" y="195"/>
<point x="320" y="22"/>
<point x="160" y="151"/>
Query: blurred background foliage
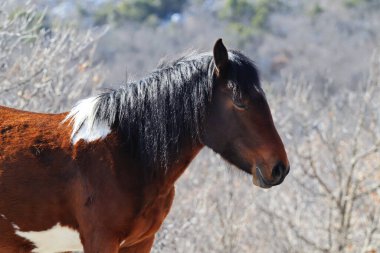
<point x="147" y="11"/>
<point x="247" y="18"/>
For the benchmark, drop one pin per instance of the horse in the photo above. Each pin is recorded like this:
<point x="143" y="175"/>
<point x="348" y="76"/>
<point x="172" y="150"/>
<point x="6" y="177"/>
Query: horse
<point x="100" y="178"/>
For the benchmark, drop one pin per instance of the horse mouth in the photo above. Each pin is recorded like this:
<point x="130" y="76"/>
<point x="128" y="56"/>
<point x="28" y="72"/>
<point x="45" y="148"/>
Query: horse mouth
<point x="258" y="180"/>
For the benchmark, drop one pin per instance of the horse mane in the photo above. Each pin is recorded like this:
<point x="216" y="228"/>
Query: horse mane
<point x="157" y="113"/>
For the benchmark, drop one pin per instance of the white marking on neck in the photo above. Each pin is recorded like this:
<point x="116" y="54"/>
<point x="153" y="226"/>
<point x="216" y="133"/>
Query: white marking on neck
<point x="55" y="239"/>
<point x="85" y="125"/>
<point x="3" y="216"/>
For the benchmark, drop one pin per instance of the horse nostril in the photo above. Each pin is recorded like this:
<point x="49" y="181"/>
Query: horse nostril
<point x="278" y="171"/>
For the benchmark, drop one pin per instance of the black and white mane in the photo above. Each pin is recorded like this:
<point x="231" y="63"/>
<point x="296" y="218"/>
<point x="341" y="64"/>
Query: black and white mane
<point x="161" y="111"/>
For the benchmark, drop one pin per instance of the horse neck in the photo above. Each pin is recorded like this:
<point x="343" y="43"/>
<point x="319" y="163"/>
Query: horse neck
<point x="179" y="164"/>
<point x="132" y="171"/>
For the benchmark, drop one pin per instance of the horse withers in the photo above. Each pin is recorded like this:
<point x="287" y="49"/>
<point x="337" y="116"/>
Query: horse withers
<point x="100" y="178"/>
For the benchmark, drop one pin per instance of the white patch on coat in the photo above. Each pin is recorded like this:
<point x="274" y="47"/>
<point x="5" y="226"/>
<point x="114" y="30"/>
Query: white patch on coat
<point x="15" y="226"/>
<point x="3" y="216"/>
<point x="85" y="125"/>
<point x="55" y="239"/>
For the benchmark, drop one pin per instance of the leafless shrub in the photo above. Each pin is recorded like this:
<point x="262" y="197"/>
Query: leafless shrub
<point x="335" y="203"/>
<point x="44" y="66"/>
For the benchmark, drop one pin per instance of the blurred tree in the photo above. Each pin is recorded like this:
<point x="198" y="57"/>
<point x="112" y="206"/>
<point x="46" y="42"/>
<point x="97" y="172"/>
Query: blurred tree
<point x="355" y="3"/>
<point x="248" y="18"/>
<point x="316" y="10"/>
<point x="149" y="11"/>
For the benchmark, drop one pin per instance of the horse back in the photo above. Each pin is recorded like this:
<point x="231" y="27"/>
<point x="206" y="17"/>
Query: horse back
<point x="28" y="134"/>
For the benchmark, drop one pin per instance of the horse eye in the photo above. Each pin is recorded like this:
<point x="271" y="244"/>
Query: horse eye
<point x="239" y="105"/>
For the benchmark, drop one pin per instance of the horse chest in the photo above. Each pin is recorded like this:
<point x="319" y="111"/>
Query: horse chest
<point x="150" y="219"/>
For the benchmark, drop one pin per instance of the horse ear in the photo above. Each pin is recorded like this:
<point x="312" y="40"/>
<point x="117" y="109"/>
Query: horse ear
<point x="220" y="56"/>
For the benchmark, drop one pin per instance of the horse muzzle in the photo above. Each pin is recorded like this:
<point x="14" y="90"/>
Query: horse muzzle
<point x="279" y="172"/>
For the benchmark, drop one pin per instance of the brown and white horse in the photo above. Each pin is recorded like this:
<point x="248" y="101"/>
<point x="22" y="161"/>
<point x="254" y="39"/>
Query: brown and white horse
<point x="101" y="177"/>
